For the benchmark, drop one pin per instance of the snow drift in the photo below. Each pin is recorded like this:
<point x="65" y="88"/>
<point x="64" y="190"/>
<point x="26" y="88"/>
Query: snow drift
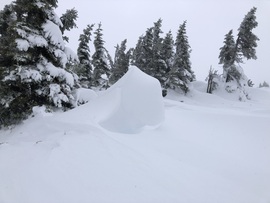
<point x="130" y="105"/>
<point x="137" y="103"/>
<point x="210" y="148"/>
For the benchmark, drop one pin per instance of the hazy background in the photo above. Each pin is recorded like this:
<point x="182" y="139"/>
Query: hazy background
<point x="207" y="23"/>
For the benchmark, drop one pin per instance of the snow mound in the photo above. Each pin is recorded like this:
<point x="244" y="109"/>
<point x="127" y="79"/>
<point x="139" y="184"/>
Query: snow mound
<point x="136" y="102"/>
<point x="84" y="95"/>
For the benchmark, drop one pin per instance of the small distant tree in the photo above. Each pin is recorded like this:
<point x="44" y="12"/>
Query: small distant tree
<point x="212" y="80"/>
<point x="121" y="62"/>
<point x="100" y="61"/>
<point x="181" y="74"/>
<point x="264" y="84"/>
<point x="84" y="69"/>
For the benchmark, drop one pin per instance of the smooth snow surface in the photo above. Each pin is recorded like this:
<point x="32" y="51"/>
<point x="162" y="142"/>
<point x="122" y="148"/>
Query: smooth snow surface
<point x="137" y="102"/>
<point x="209" y="149"/>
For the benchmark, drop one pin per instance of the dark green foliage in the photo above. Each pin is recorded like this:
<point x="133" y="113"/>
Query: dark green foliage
<point x="181" y="74"/>
<point x="7" y="21"/>
<point x="32" y="60"/>
<point x="68" y="20"/>
<point x="153" y="54"/>
<point x="121" y="62"/>
<point x="233" y="52"/>
<point x="158" y="65"/>
<point x="212" y="79"/>
<point x="84" y="69"/>
<point x="146" y="52"/>
<point x="247" y="41"/>
<point x="100" y="61"/>
<point x="264" y="84"/>
<point x="137" y="53"/>
<point x="167" y="54"/>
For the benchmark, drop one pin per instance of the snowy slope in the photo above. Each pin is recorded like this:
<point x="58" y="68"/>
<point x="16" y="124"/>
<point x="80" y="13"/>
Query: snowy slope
<point x="209" y="148"/>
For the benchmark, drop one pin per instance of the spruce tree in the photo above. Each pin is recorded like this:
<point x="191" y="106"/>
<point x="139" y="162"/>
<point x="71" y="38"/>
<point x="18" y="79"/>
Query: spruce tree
<point x="84" y="69"/>
<point x="121" y="62"/>
<point x="33" y="65"/>
<point x="68" y="20"/>
<point x="146" y="53"/>
<point x="233" y="52"/>
<point x="7" y="19"/>
<point x="167" y="54"/>
<point x="228" y="57"/>
<point x="100" y="61"/>
<point x="157" y="66"/>
<point x="246" y="40"/>
<point x="137" y="55"/>
<point x="181" y="73"/>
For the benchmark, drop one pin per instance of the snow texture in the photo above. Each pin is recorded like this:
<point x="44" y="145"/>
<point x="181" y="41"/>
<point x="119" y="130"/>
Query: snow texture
<point x="53" y="33"/>
<point x="137" y="102"/>
<point x="57" y="95"/>
<point x="84" y="95"/>
<point x="210" y="148"/>
<point x="22" y="44"/>
<point x="56" y="72"/>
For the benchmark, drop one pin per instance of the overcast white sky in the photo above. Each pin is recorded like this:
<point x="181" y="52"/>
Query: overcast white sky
<point x="207" y="23"/>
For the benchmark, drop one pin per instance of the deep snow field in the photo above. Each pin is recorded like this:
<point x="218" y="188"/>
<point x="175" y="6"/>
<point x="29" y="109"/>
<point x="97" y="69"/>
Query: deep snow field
<point x="130" y="145"/>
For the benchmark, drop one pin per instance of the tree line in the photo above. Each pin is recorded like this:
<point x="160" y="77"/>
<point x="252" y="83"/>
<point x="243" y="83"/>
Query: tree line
<point x="36" y="67"/>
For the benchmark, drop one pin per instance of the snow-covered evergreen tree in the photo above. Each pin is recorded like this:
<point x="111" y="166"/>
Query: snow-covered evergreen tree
<point x="212" y="80"/>
<point x="7" y="19"/>
<point x="228" y="57"/>
<point x="68" y="20"/>
<point x="264" y="84"/>
<point x="181" y="74"/>
<point x="100" y="61"/>
<point x="121" y="62"/>
<point x="137" y="55"/>
<point x="246" y="40"/>
<point x="158" y="65"/>
<point x="146" y="53"/>
<point x="167" y="54"/>
<point x="233" y="52"/>
<point x="84" y="69"/>
<point x="33" y="72"/>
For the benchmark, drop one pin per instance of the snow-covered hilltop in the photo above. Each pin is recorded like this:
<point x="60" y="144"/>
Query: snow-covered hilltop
<point x="200" y="148"/>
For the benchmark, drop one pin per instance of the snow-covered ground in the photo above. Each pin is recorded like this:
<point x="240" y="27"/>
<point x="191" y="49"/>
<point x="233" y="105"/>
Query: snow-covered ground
<point x="128" y="144"/>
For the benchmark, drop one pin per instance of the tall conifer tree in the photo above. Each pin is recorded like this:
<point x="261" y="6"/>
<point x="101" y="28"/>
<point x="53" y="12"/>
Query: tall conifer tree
<point x="33" y="65"/>
<point x="181" y="73"/>
<point x="84" y="70"/>
<point x="233" y="53"/>
<point x="121" y="62"/>
<point x="100" y="61"/>
<point x="167" y="54"/>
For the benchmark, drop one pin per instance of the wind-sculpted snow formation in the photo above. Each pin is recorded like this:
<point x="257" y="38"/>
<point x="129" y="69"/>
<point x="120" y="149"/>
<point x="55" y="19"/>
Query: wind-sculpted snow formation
<point x="131" y="104"/>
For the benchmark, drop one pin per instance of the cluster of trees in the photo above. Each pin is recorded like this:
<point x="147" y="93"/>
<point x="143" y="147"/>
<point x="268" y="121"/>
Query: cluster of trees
<point x="162" y="58"/>
<point x="232" y="54"/>
<point x="36" y="68"/>
<point x="264" y="84"/>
